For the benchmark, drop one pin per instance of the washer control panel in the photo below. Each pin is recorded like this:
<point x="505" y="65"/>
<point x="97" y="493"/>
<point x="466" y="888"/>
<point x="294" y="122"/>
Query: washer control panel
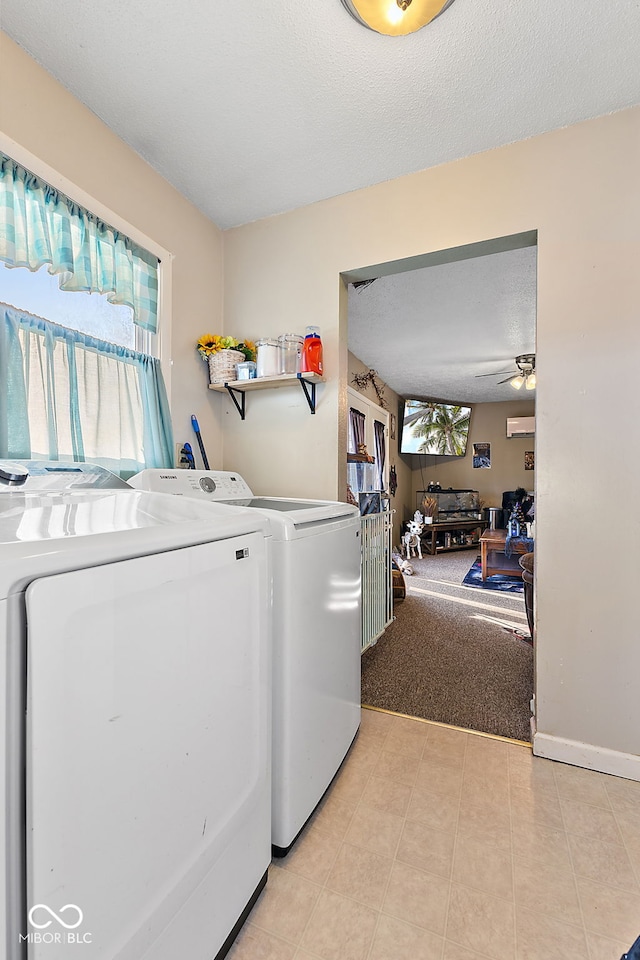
<point x="205" y="484"/>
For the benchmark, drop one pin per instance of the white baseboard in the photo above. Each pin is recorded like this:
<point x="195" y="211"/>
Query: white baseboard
<point x="587" y="755"/>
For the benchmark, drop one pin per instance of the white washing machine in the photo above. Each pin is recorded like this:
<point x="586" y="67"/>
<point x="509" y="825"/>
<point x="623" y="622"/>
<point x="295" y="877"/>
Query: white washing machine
<point x="135" y="639"/>
<point x="316" y="635"/>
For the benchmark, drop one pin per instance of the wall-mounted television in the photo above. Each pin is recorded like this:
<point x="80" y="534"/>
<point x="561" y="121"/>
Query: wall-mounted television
<point x="440" y="429"/>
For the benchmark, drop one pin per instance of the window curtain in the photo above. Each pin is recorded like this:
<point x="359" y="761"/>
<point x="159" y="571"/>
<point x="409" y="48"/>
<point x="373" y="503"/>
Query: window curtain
<point x="68" y="396"/>
<point x="39" y="225"/>
<point x="356" y="429"/>
<point x="381" y="451"/>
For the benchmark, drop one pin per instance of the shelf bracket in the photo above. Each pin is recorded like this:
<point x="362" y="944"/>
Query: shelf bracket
<point x="311" y="398"/>
<point x="240" y="407"/>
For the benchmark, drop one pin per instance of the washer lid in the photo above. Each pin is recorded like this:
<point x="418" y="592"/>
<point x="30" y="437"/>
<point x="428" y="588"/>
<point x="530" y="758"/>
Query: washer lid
<point x="41" y="534"/>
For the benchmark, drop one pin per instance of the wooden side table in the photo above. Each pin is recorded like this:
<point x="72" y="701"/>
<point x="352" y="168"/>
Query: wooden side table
<point x="431" y="531"/>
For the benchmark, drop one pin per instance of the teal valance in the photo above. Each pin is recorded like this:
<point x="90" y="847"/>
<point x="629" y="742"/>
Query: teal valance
<point x="39" y="225"/>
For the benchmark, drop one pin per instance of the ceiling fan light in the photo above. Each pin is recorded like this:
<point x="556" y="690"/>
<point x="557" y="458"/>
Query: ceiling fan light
<point x="395" y="18"/>
<point x="517" y="382"/>
<point x="531" y="382"/>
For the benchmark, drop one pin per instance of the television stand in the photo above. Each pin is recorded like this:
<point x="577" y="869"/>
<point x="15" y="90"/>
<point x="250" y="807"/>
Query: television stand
<point x="435" y="540"/>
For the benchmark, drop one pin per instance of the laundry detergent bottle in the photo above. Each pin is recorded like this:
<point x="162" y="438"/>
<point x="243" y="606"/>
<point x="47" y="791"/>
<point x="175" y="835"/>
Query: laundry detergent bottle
<point x="312" y="352"/>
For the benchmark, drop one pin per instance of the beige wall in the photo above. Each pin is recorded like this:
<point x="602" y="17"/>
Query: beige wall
<point x="402" y="501"/>
<point x="579" y="188"/>
<point x="42" y="118"/>
<point x="488" y="424"/>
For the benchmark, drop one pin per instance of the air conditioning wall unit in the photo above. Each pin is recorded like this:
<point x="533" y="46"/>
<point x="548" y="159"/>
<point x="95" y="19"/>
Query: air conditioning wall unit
<point x="520" y="427"/>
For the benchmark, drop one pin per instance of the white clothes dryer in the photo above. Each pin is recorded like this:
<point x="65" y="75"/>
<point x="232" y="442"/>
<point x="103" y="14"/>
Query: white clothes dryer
<point x="135" y="639"/>
<point x="316" y="635"/>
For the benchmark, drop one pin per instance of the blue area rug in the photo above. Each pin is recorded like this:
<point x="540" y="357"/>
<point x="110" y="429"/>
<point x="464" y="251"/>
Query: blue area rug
<point x="498" y="581"/>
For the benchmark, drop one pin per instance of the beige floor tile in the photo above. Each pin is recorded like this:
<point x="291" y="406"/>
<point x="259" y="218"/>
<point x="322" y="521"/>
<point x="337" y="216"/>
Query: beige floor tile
<point x="417" y="897"/>
<point x="426" y="848"/>
<point x="256" y="944"/>
<point x="480" y="865"/>
<point x="312" y="855"/>
<point x="533" y="841"/>
<point x="334" y="816"/>
<point x="545" y="888"/>
<point x="491" y="790"/>
<point x="405" y="726"/>
<point x="285" y="905"/>
<point x="363" y="755"/>
<point x="305" y="955"/>
<point x="605" y="862"/>
<point x="375" y="830"/>
<point x="350" y="783"/>
<point x="447" y="747"/>
<point x="603" y="949"/>
<point x="624" y="795"/>
<point x="387" y="795"/>
<point x="396" y="940"/>
<point x="489" y="824"/>
<point x="534" y="776"/>
<point x="488" y="759"/>
<point x="537" y="806"/>
<point x="574" y="783"/>
<point x="453" y="951"/>
<point x="482" y="923"/>
<point x="609" y="912"/>
<point x="585" y="820"/>
<point x="543" y="938"/>
<point x="395" y="766"/>
<point x="436" y="810"/>
<point x="376" y="720"/>
<point x="360" y="874"/>
<point x="440" y="778"/>
<point x="629" y="826"/>
<point x="405" y="744"/>
<point x="339" y="929"/>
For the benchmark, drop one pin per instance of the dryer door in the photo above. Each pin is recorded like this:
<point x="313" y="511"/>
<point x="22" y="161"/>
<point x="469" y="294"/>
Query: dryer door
<point x="147" y="752"/>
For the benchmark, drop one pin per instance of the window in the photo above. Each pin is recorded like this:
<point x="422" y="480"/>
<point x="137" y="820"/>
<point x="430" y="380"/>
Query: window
<point x="78" y="314"/>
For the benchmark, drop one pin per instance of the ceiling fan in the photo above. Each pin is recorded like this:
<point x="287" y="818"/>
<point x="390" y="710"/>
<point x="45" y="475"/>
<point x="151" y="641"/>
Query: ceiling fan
<point x="524" y="375"/>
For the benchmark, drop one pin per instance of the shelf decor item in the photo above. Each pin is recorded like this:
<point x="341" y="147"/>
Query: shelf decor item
<point x="430" y="509"/>
<point x="222" y="355"/>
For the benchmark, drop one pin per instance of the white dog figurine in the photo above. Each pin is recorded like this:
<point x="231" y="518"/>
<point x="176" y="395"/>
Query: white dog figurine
<point x="411" y="539"/>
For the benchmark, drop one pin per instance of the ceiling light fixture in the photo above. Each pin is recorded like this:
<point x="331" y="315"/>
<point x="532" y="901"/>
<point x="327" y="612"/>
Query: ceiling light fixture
<point x="395" y="18"/>
<point x="517" y="382"/>
<point x="531" y="382"/>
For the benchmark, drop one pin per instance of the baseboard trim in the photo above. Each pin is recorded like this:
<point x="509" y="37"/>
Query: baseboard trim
<point x="601" y="759"/>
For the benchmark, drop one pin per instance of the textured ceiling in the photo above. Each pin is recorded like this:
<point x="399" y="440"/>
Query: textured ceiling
<point x="430" y="332"/>
<point x="252" y="109"/>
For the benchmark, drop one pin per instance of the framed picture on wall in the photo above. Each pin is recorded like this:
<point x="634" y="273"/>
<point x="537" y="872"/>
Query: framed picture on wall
<point x="370" y="503"/>
<point x="529" y="460"/>
<point x="482" y="456"/>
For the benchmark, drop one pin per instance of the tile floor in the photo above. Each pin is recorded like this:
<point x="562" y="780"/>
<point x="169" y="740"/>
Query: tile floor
<point x="436" y="844"/>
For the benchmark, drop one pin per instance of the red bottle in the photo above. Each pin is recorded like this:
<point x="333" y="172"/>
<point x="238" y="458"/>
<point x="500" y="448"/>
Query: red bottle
<point x="312" y="352"/>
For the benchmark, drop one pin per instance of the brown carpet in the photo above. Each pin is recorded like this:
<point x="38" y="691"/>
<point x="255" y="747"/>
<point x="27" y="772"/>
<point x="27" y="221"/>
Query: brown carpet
<point x="439" y="660"/>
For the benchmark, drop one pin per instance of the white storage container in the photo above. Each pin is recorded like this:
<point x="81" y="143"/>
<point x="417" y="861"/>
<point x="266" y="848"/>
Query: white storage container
<point x="268" y="358"/>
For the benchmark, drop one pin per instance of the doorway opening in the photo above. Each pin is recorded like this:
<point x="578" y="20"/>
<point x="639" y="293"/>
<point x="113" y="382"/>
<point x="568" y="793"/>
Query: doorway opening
<point x="447" y="329"/>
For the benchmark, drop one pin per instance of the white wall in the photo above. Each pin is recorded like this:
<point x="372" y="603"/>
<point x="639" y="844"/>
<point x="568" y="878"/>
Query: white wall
<point x="579" y="188"/>
<point x="44" y="119"/>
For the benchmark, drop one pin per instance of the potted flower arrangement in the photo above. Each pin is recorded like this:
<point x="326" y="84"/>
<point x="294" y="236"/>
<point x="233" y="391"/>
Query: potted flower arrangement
<point x="429" y="509"/>
<point x="222" y="354"/>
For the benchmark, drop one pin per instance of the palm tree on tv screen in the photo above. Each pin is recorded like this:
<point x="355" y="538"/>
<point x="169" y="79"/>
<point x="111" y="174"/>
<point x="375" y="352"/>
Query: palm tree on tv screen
<point x="444" y="428"/>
